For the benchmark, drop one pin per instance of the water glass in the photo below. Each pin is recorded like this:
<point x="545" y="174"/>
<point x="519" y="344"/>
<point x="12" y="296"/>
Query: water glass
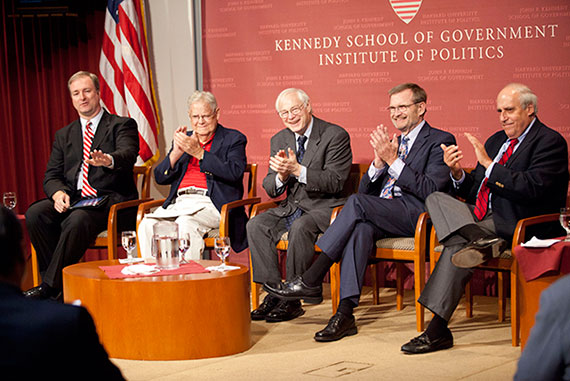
<point x="129" y="241"/>
<point x="183" y="245"/>
<point x="565" y="222"/>
<point x="9" y="199"/>
<point x="222" y="248"/>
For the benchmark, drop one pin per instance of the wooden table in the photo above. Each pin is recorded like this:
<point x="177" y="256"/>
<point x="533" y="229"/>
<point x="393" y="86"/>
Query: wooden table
<point x="538" y="269"/>
<point x="174" y="317"/>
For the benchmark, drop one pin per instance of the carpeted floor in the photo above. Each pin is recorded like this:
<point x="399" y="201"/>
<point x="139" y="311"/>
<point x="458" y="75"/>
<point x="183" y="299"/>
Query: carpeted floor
<point x="287" y="351"/>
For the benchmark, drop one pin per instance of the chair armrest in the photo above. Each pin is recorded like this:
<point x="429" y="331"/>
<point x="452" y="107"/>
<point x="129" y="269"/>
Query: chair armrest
<point x="225" y="212"/>
<point x="145" y="207"/>
<point x="112" y="235"/>
<point x="520" y="229"/>
<point x="262" y="206"/>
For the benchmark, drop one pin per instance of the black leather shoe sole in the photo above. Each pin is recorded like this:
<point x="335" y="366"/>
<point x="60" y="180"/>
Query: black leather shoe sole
<point x="328" y="338"/>
<point x="422" y="344"/>
<point x="477" y="253"/>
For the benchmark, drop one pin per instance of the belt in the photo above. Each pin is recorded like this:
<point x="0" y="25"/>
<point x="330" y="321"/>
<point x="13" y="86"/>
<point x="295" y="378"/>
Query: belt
<point x="192" y="190"/>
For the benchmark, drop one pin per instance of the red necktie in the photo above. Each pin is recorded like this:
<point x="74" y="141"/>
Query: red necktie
<point x="482" y="203"/>
<point x="87" y="190"/>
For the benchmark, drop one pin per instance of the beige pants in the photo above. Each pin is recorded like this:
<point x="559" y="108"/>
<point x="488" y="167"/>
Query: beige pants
<point x="193" y="213"/>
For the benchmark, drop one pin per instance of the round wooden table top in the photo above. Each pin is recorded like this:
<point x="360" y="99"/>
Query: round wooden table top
<point x="171" y="317"/>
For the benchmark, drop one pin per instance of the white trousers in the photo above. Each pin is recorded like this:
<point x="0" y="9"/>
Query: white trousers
<point x="195" y="214"/>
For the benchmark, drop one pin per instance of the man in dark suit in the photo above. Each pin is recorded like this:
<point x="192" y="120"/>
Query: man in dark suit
<point x="405" y="170"/>
<point x="91" y="157"/>
<point x="204" y="169"/>
<point x="310" y="160"/>
<point x="522" y="171"/>
<point x="546" y="355"/>
<point x="43" y="338"/>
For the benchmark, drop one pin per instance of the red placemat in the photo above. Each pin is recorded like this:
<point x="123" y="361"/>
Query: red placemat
<point x="114" y="272"/>
<point x="535" y="262"/>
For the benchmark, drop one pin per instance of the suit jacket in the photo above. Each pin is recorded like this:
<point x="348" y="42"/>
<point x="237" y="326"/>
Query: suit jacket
<point x="533" y="181"/>
<point x="328" y="158"/>
<point x="48" y="339"/>
<point x="424" y="172"/>
<point x="116" y="136"/>
<point x="546" y="355"/>
<point x="224" y="166"/>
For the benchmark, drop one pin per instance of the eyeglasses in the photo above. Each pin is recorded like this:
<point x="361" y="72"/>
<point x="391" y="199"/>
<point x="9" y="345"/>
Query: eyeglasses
<point x="296" y="110"/>
<point x="401" y="108"/>
<point x="207" y="118"/>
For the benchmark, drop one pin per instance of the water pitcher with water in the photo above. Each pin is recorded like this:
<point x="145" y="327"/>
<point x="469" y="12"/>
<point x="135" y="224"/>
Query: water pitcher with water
<point x="165" y="245"/>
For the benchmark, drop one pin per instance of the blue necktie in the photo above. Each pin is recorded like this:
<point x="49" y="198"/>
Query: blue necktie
<point x="300" y="153"/>
<point x="387" y="191"/>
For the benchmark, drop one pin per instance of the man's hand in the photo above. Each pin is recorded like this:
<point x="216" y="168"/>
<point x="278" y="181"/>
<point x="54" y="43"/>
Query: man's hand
<point x="452" y="156"/>
<point x="188" y="144"/>
<point x="60" y="201"/>
<point x="99" y="159"/>
<point x="285" y="164"/>
<point x="482" y="156"/>
<point x="385" y="149"/>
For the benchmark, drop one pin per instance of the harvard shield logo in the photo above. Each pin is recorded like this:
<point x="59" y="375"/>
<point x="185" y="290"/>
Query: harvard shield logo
<point x="406" y="9"/>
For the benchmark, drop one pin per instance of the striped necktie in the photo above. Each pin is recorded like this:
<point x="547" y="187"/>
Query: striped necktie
<point x="87" y="190"/>
<point x="387" y="191"/>
<point x="482" y="203"/>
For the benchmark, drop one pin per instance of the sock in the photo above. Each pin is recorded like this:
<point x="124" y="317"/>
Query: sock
<point x="437" y="327"/>
<point x="472" y="232"/>
<point x="345" y="307"/>
<point x="316" y="273"/>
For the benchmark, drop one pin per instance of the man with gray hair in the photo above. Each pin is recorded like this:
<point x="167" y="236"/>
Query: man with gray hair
<point x="204" y="169"/>
<point x="310" y="161"/>
<point x="522" y="171"/>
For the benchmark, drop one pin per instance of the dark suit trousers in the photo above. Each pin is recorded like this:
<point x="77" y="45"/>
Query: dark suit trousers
<point x="352" y="236"/>
<point x="61" y="239"/>
<point x="263" y="233"/>
<point x="446" y="285"/>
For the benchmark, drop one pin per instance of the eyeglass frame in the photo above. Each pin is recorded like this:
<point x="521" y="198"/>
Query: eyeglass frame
<point x="207" y="118"/>
<point x="295" y="110"/>
<point x="401" y="108"/>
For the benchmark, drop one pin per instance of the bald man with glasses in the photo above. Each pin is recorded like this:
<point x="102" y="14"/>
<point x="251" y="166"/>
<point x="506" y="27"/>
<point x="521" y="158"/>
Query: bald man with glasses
<point x="310" y="162"/>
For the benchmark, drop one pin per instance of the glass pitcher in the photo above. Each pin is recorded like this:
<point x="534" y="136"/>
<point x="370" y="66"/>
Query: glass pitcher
<point x="165" y="245"/>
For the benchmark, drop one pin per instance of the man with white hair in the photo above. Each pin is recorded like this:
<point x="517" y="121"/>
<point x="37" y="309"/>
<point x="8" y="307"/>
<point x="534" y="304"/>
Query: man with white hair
<point x="310" y="161"/>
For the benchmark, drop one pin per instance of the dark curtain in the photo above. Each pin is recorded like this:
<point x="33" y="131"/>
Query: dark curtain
<point x="39" y="50"/>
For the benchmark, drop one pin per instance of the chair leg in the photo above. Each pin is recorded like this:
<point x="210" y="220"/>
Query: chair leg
<point x="502" y="298"/>
<point x="419" y="284"/>
<point x="374" y="276"/>
<point x="399" y="287"/>
<point x="35" y="268"/>
<point x="468" y="300"/>
<point x="254" y="287"/>
<point x="335" y="285"/>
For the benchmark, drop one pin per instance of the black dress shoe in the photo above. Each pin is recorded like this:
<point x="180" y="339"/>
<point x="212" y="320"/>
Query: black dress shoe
<point x="422" y="344"/>
<point x="43" y="291"/>
<point x="296" y="289"/>
<point x="478" y="252"/>
<point x="266" y="307"/>
<point x="339" y="326"/>
<point x="284" y="311"/>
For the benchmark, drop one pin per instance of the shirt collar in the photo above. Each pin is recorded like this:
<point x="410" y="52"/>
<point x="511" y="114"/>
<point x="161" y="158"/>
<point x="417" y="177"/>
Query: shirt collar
<point x="307" y="131"/>
<point x="94" y="121"/>
<point x="413" y="134"/>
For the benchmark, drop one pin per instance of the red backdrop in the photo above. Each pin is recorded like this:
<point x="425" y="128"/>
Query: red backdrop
<point x="347" y="54"/>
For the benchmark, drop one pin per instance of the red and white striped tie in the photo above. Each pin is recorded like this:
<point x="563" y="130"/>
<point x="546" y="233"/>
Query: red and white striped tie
<point x="87" y="190"/>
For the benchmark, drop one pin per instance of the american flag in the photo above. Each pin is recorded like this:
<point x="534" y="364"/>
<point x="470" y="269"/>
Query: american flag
<point x="125" y="74"/>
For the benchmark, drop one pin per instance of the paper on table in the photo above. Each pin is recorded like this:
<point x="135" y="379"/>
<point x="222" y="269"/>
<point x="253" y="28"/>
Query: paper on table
<point x="535" y="242"/>
<point x="127" y="260"/>
<point x="222" y="268"/>
<point x="139" y="269"/>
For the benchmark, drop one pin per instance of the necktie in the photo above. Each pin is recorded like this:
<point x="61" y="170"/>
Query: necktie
<point x="87" y="190"/>
<point x="482" y="203"/>
<point x="301" y="147"/>
<point x="300" y="153"/>
<point x="387" y="191"/>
